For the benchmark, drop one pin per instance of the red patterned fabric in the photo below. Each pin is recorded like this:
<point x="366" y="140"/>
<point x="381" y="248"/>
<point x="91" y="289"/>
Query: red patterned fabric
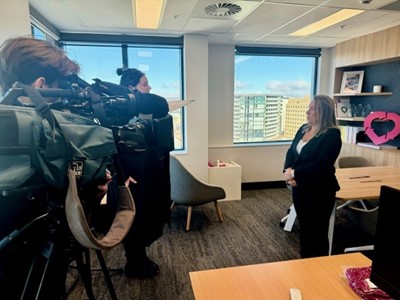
<point x="356" y="278"/>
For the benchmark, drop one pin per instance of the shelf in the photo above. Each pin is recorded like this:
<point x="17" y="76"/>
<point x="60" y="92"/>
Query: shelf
<point x="355" y="119"/>
<point x="362" y="94"/>
<point x="358" y="119"/>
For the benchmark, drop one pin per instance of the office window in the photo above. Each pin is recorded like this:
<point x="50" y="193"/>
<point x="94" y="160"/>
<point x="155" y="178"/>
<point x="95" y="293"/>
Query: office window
<point x="273" y="87"/>
<point x="162" y="66"/>
<point x="96" y="61"/>
<point x="37" y="33"/>
<point x="41" y="33"/>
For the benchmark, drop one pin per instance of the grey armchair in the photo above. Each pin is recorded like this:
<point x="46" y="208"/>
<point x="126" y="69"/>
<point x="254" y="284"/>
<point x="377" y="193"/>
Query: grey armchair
<point x="187" y="190"/>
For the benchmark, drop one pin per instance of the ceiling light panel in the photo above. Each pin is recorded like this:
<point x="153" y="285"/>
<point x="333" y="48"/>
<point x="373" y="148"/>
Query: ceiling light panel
<point x="304" y="19"/>
<point x="326" y="22"/>
<point x="147" y="13"/>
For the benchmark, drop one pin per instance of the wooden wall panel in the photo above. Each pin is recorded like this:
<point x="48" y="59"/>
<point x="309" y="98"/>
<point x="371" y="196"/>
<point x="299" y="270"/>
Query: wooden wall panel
<point x="375" y="47"/>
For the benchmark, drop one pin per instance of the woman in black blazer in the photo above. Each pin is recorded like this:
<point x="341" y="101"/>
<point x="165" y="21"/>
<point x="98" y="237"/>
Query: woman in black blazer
<point x="310" y="170"/>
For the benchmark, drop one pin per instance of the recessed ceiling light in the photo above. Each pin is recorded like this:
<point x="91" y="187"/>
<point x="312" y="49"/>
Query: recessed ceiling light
<point x="337" y="17"/>
<point x="147" y="13"/>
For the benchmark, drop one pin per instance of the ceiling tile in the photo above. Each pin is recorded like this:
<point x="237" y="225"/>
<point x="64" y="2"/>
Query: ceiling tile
<point x="208" y="25"/>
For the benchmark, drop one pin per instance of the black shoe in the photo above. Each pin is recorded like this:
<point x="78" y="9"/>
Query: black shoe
<point x="151" y="264"/>
<point x="147" y="269"/>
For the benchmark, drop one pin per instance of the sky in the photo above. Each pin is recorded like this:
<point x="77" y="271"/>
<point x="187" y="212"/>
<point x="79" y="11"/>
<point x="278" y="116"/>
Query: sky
<point x="274" y="75"/>
<point x="162" y="66"/>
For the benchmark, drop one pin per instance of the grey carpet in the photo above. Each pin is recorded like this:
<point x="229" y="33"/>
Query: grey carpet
<point x="250" y="234"/>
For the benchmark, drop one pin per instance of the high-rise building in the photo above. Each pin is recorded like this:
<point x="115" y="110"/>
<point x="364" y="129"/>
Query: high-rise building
<point x="295" y="115"/>
<point x="262" y="117"/>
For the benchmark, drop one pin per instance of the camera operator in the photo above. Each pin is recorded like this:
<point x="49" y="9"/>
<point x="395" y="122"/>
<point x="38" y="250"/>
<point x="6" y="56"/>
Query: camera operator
<point x="41" y="65"/>
<point x="149" y="193"/>
<point x="135" y="80"/>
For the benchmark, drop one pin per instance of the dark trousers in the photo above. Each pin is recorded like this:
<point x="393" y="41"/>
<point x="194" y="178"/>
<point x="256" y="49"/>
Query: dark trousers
<point x="151" y="195"/>
<point x="313" y="208"/>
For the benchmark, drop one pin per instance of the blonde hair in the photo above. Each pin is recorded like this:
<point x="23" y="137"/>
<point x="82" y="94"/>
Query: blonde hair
<point x="325" y="112"/>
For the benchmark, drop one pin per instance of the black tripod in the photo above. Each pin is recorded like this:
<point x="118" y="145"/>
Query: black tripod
<point x="82" y="259"/>
<point x="54" y="252"/>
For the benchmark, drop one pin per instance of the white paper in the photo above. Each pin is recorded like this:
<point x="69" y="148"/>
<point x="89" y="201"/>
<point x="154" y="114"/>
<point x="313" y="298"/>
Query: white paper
<point x="176" y="104"/>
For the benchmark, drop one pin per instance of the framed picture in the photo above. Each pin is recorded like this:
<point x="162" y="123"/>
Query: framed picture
<point x="343" y="108"/>
<point x="352" y="82"/>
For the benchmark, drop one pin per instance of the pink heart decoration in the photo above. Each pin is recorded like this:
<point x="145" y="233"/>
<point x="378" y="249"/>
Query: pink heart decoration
<point x="382" y="116"/>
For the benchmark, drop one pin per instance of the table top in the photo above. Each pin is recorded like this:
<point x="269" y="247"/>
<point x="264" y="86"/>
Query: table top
<point x="317" y="278"/>
<point x="365" y="182"/>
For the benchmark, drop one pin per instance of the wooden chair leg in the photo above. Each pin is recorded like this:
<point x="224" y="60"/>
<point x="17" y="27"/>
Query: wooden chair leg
<point x="218" y="211"/>
<point x="189" y="217"/>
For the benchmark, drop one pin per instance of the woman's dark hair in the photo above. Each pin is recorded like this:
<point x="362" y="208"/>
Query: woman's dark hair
<point x="129" y="76"/>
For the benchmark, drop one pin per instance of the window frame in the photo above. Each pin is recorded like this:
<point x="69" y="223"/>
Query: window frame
<point x="125" y="42"/>
<point x="282" y="52"/>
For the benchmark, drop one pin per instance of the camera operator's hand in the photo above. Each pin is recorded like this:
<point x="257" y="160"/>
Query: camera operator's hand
<point x="103" y="188"/>
<point x="129" y="181"/>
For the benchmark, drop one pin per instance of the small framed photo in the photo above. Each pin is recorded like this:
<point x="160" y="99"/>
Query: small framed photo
<point x="352" y="82"/>
<point x="343" y="108"/>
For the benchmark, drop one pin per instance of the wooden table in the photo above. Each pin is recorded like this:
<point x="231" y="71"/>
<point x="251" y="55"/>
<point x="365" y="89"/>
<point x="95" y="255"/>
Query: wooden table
<point x="317" y="278"/>
<point x="365" y="182"/>
<point x="362" y="183"/>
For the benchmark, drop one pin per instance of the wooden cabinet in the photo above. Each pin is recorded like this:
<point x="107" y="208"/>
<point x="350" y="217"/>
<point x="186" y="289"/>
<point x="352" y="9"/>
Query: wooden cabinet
<point x="376" y="47"/>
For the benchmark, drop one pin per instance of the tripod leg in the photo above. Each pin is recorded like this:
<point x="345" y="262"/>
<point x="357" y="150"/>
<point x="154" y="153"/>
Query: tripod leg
<point x="106" y="275"/>
<point x="83" y="264"/>
<point x="47" y="275"/>
<point x="37" y="273"/>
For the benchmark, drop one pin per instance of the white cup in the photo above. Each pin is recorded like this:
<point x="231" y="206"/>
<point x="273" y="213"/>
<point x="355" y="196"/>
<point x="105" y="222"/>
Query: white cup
<point x="377" y="88"/>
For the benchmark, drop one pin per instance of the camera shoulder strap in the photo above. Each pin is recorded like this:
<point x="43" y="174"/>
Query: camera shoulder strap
<point x="79" y="225"/>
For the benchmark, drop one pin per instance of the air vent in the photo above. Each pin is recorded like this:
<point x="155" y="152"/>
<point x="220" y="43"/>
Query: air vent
<point x="222" y="9"/>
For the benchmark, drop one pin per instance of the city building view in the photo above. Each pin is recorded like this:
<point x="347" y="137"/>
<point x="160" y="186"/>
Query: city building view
<point x="267" y="118"/>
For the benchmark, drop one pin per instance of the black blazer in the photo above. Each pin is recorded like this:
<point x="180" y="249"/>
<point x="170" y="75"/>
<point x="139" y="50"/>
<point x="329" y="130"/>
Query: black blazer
<point x="315" y="165"/>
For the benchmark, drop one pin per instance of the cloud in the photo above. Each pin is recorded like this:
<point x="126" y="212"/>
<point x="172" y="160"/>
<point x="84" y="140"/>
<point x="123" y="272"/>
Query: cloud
<point x="169" y="90"/>
<point x="242" y="86"/>
<point x="297" y="88"/>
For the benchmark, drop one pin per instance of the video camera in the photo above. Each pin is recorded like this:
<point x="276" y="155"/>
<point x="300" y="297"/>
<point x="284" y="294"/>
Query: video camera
<point x="109" y="103"/>
<point x="113" y="106"/>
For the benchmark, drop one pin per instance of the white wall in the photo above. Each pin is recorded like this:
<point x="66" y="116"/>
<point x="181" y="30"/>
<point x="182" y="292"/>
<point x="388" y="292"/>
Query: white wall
<point x="14" y="19"/>
<point x="196" y="78"/>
